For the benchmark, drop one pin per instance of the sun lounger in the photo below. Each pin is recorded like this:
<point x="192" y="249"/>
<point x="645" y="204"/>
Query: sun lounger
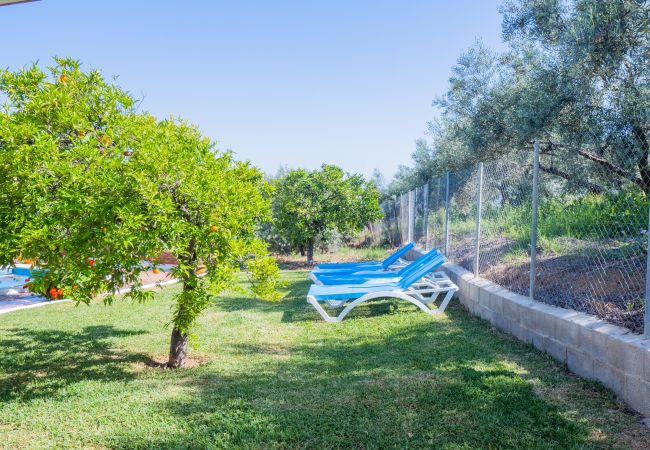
<point x="361" y="276"/>
<point x="367" y="265"/>
<point x="421" y="287"/>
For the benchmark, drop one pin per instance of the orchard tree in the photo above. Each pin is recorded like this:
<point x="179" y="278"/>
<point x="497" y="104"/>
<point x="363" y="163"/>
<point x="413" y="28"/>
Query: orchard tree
<point x="90" y="188"/>
<point x="308" y="205"/>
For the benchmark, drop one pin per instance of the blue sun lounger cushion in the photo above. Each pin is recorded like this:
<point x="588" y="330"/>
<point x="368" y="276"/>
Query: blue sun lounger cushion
<point x="366" y="265"/>
<point x="362" y="276"/>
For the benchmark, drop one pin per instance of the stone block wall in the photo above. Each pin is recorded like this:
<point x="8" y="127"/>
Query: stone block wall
<point x="590" y="347"/>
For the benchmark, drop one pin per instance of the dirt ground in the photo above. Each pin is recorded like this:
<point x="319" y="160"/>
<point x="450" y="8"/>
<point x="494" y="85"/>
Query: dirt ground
<point x="587" y="281"/>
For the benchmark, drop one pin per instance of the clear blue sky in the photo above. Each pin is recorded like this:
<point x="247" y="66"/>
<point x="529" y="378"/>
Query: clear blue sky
<point x="294" y="83"/>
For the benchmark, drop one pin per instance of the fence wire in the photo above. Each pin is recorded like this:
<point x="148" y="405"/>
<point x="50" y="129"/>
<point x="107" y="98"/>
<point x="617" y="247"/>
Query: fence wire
<point x="389" y="230"/>
<point x="421" y="200"/>
<point x="404" y="216"/>
<point x="592" y="232"/>
<point x="505" y="222"/>
<point x="435" y="230"/>
<point x="462" y="216"/>
<point x="592" y="237"/>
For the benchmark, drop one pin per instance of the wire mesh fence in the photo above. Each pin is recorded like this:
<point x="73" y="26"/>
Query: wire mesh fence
<point x="420" y="215"/>
<point x="462" y="216"/>
<point x="505" y="222"/>
<point x="436" y="207"/>
<point x="391" y="223"/>
<point x="592" y="242"/>
<point x="404" y="217"/>
<point x="392" y="230"/>
<point x="591" y="252"/>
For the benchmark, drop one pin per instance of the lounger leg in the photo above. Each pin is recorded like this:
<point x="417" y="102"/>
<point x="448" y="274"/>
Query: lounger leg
<point x="446" y="300"/>
<point x="431" y="298"/>
<point x="375" y="295"/>
<point x="321" y="311"/>
<point x="371" y="296"/>
<point x="449" y="288"/>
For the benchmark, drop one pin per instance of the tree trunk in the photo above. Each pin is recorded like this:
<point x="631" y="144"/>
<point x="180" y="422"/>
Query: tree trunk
<point x="310" y="251"/>
<point x="177" y="349"/>
<point x="179" y="340"/>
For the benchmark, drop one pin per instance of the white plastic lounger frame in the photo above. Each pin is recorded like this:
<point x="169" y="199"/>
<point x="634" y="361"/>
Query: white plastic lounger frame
<point x="421" y="293"/>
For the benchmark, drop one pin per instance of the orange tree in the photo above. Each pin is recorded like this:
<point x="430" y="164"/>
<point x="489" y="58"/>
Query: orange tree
<point x="90" y="188"/>
<point x="308" y="204"/>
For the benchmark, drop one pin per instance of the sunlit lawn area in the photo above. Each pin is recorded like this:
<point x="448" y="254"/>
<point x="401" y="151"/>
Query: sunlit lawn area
<point x="273" y="375"/>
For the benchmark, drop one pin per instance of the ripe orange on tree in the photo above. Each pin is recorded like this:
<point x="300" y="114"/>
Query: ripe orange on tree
<point x="104" y="140"/>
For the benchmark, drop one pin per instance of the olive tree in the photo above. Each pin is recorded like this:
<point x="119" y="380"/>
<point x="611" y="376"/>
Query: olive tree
<point x="576" y="76"/>
<point x="90" y="188"/>
<point x="309" y="204"/>
<point x="581" y="69"/>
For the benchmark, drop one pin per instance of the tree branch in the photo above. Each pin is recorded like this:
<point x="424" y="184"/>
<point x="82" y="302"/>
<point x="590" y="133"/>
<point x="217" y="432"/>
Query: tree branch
<point x="181" y="204"/>
<point x="592" y="187"/>
<point x="612" y="167"/>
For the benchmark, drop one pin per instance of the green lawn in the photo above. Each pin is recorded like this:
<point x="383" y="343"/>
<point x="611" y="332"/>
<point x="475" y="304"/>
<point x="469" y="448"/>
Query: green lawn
<point x="272" y="375"/>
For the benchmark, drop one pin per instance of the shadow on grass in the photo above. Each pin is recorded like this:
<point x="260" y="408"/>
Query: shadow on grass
<point x="420" y="385"/>
<point x="304" y="312"/>
<point x="295" y="295"/>
<point x="38" y="363"/>
<point x="294" y="306"/>
<point x="296" y="309"/>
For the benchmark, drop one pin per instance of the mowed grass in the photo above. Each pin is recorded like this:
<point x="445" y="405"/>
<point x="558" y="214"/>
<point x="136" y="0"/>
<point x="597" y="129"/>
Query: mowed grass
<point x="273" y="375"/>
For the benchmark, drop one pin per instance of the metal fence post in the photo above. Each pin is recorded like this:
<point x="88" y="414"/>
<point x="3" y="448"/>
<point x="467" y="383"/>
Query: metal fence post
<point x="401" y="218"/>
<point x="411" y="210"/>
<point x="425" y="207"/>
<point x="646" y="315"/>
<point x="447" y="216"/>
<point x="479" y="202"/>
<point x="397" y="236"/>
<point x="533" y="223"/>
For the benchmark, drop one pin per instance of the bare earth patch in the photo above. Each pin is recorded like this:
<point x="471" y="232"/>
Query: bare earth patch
<point x="584" y="278"/>
<point x="160" y="362"/>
